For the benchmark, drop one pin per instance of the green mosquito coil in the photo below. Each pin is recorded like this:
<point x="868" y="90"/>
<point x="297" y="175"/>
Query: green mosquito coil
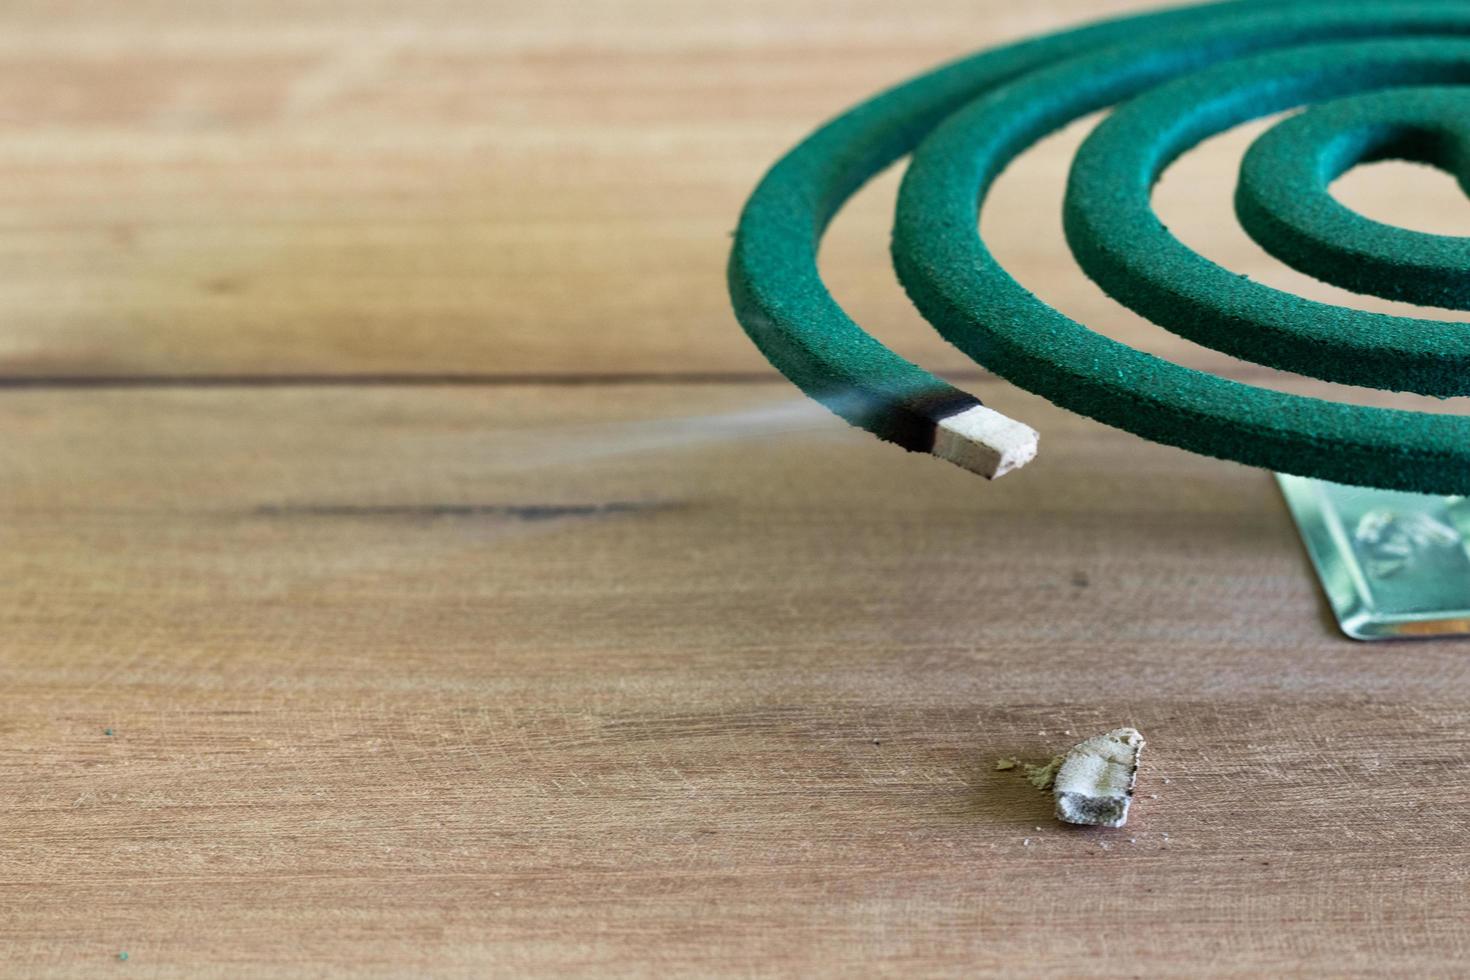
<point x="1379" y="79"/>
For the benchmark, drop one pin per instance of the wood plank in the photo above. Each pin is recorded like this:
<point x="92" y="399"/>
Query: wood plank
<point x="494" y="188"/>
<point x="682" y="680"/>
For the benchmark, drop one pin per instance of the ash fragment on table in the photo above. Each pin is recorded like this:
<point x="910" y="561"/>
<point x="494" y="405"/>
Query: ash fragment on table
<point x="1094" y="785"/>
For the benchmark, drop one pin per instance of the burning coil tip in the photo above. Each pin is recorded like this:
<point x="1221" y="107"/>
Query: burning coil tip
<point x="984" y="441"/>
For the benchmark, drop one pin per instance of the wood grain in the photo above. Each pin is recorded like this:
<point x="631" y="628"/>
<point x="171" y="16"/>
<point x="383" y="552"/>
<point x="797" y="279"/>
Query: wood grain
<point x="489" y="188"/>
<point x="522" y="680"/>
<point x="422" y="669"/>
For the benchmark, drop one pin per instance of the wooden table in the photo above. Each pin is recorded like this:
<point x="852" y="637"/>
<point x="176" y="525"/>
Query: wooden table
<point x="411" y="570"/>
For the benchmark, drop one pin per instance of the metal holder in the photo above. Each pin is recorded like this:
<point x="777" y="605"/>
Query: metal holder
<point x="1393" y="565"/>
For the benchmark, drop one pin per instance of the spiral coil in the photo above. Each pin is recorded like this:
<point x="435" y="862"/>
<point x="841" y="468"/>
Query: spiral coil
<point x="1382" y="78"/>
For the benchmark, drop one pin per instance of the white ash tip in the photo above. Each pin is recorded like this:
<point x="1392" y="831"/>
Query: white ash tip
<point x="984" y="441"/>
<point x="1094" y="785"/>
